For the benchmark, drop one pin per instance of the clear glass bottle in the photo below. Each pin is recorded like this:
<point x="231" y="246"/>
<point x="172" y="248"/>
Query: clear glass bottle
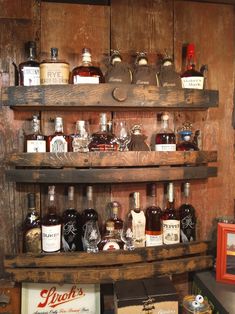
<point x="58" y="142"/>
<point x="111" y="241"/>
<point x="54" y="71"/>
<point x="51" y="225"/>
<point x="103" y="140"/>
<point x="187" y="217"/>
<point x="32" y="228"/>
<point x="29" y="72"/>
<point x="170" y="219"/>
<point x="165" y="138"/>
<point x="143" y="73"/>
<point x="118" y="222"/>
<point x="153" y="228"/>
<point x="79" y="141"/>
<point x="72" y="225"/>
<point x="87" y="73"/>
<point x="191" y="78"/>
<point x="35" y="142"/>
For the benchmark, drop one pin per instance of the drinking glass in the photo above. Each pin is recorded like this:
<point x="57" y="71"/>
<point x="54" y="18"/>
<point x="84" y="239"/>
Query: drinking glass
<point x="122" y="134"/>
<point x="127" y="235"/>
<point x="92" y="236"/>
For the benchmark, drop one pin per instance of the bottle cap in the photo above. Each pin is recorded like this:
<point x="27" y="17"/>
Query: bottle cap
<point x="89" y="191"/>
<point x="80" y="122"/>
<point x="165" y="117"/>
<point x="31" y="44"/>
<point x="31" y="201"/>
<point x="54" y="52"/>
<point x="71" y="193"/>
<point x="190" y="49"/>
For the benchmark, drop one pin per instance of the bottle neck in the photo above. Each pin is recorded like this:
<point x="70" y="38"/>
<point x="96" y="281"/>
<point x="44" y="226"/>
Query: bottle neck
<point x="32" y="54"/>
<point x="90" y="202"/>
<point x="170" y="194"/>
<point x="59" y="126"/>
<point x="71" y="197"/>
<point x="136" y="202"/>
<point x="36" y="125"/>
<point x="103" y="122"/>
<point x="187" y="195"/>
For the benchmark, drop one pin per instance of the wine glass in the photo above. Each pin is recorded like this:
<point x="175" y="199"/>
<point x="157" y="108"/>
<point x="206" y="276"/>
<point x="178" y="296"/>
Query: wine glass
<point x="92" y="236"/>
<point x="122" y="134"/>
<point x="127" y="235"/>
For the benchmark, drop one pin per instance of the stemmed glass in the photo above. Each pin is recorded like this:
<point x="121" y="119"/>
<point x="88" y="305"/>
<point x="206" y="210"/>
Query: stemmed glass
<point x="92" y="236"/>
<point x="122" y="134"/>
<point x="127" y="235"/>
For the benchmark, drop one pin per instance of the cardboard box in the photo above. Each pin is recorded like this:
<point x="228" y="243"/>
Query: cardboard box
<point x="153" y="296"/>
<point x="45" y="298"/>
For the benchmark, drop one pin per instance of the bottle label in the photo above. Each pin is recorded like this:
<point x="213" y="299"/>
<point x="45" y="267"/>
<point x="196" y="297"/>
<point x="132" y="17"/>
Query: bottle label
<point x="31" y="76"/>
<point x="171" y="231"/>
<point x="33" y="240"/>
<point x="80" y="144"/>
<point x="36" y="146"/>
<point x="165" y="147"/>
<point x="58" y="145"/>
<point x="77" y="79"/>
<point x="70" y="232"/>
<point x="138" y="228"/>
<point x="187" y="231"/>
<point x="54" y="73"/>
<point x="153" y="239"/>
<point x="195" y="82"/>
<point x="51" y="238"/>
<point x="111" y="246"/>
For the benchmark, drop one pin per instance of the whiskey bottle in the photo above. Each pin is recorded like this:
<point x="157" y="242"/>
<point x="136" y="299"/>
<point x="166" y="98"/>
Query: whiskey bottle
<point x="111" y="241"/>
<point x="143" y="73"/>
<point x="153" y="229"/>
<point x="35" y="142"/>
<point x="103" y="140"/>
<point x="187" y="217"/>
<point x="118" y="222"/>
<point x="51" y="225"/>
<point x="29" y="72"/>
<point x="79" y="141"/>
<point x="185" y="141"/>
<point x="170" y="220"/>
<point x="165" y="138"/>
<point x="72" y="225"/>
<point x="191" y="78"/>
<point x="58" y="142"/>
<point x="54" y="71"/>
<point x="32" y="228"/>
<point x="168" y="77"/>
<point x="87" y="73"/>
<point x="118" y="71"/>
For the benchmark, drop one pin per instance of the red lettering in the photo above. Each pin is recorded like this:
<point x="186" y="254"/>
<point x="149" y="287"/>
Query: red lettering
<point x="46" y="294"/>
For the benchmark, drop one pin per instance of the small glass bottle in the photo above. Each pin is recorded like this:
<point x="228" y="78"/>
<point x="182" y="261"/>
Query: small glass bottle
<point x="54" y="71"/>
<point x="143" y="73"/>
<point x="35" y="142"/>
<point x="72" y="225"/>
<point x="165" y="138"/>
<point x="29" y="70"/>
<point x="111" y="241"/>
<point x="118" y="222"/>
<point x="170" y="219"/>
<point x="187" y="217"/>
<point x="153" y="228"/>
<point x="79" y="141"/>
<point x="87" y="73"/>
<point x="58" y="142"/>
<point x="168" y="77"/>
<point x="32" y="228"/>
<point x="186" y="143"/>
<point x="51" y="225"/>
<point x="191" y="78"/>
<point x="118" y="72"/>
<point x="103" y="140"/>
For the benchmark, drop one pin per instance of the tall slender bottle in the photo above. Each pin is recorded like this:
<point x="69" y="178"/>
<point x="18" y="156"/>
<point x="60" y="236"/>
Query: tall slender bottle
<point x="153" y="229"/>
<point x="170" y="219"/>
<point x="187" y="217"/>
<point x="165" y="138"/>
<point x="72" y="225"/>
<point x="51" y="225"/>
<point x="58" y="142"/>
<point x="35" y="142"/>
<point x="32" y="228"/>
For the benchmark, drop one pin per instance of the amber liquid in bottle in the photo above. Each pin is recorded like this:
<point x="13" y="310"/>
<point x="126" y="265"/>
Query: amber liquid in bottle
<point x="165" y="138"/>
<point x="58" y="142"/>
<point x="36" y="141"/>
<point x="32" y="228"/>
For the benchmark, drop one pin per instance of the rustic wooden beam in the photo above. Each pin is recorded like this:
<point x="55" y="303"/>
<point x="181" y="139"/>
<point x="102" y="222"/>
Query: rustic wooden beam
<point x="106" y="96"/>
<point x="112" y="175"/>
<point x="81" y="259"/>
<point x="110" y="159"/>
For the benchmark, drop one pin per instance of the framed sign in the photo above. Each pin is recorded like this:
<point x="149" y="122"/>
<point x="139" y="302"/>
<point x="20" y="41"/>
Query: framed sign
<point x="225" y="260"/>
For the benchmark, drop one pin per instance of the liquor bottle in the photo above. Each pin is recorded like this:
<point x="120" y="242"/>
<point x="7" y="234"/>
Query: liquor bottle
<point x="111" y="240"/>
<point x="103" y="140"/>
<point x="118" y="222"/>
<point x="35" y="142"/>
<point x="79" y="141"/>
<point x="51" y="225"/>
<point x="168" y="77"/>
<point x="137" y="140"/>
<point x="118" y="71"/>
<point x="29" y="72"/>
<point x="191" y="78"/>
<point x="165" y="138"/>
<point x="58" y="142"/>
<point x="87" y="73"/>
<point x="143" y="73"/>
<point x="153" y="228"/>
<point x="72" y="225"/>
<point x="185" y="142"/>
<point x="54" y="71"/>
<point x="187" y="217"/>
<point x="32" y="228"/>
<point x="170" y="220"/>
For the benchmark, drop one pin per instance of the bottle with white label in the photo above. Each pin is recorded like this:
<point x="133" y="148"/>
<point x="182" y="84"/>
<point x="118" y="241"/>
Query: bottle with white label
<point x="51" y="225"/>
<point x="87" y="73"/>
<point x="58" y="142"/>
<point x="35" y="142"/>
<point x="170" y="219"/>
<point x="165" y="139"/>
<point x="191" y="78"/>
